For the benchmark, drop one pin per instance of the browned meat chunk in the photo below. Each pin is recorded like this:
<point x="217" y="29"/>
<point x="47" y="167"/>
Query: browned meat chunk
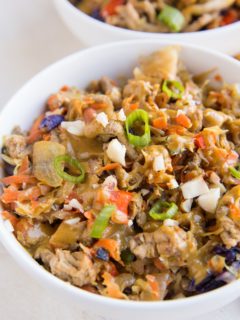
<point x="230" y="234"/>
<point x="16" y="146"/>
<point x="76" y="268"/>
<point x="171" y="244"/>
<point x="113" y="129"/>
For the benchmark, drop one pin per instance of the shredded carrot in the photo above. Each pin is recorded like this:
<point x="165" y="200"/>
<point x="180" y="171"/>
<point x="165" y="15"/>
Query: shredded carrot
<point x="160" y="123"/>
<point x="90" y="219"/>
<point x="99" y="105"/>
<point x="46" y="136"/>
<point x="18" y="179"/>
<point x="8" y="216"/>
<point x="234" y="212"/>
<point x="134" y="106"/>
<point x="218" y="77"/>
<point x="88" y="215"/>
<point x="10" y="195"/>
<point x="88" y="100"/>
<point x="221" y="154"/>
<point x="108" y="167"/>
<point x="112" y="289"/>
<point x="176" y="129"/>
<point x="100" y="197"/>
<point x="23" y="169"/>
<point x="65" y="88"/>
<point x="154" y="285"/>
<point x="111" y="245"/>
<point x="53" y="102"/>
<point x="30" y="194"/>
<point x="232" y="157"/>
<point x="183" y="120"/>
<point x="158" y="264"/>
<point x="35" y="132"/>
<point x="199" y="141"/>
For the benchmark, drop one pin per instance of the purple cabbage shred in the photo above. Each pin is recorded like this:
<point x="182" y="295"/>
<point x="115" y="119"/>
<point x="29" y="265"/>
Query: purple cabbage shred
<point x="229" y="254"/>
<point x="51" y="122"/>
<point x="96" y="14"/>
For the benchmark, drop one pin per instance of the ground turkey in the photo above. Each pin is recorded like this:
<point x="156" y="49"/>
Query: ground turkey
<point x="76" y="268"/>
<point x="172" y="244"/>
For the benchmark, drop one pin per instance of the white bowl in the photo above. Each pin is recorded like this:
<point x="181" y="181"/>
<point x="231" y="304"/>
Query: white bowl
<point x="91" y="32"/>
<point x="78" y="69"/>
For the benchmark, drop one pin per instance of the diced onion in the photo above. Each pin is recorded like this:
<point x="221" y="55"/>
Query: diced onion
<point x="194" y="188"/>
<point x="170" y="223"/>
<point x="102" y="118"/>
<point x="173" y="184"/>
<point x="158" y="163"/>
<point x="209" y="201"/>
<point x="116" y="152"/>
<point x="72" y="221"/>
<point x="121" y="115"/>
<point x="186" y="205"/>
<point x="74" y="127"/>
<point x="74" y="203"/>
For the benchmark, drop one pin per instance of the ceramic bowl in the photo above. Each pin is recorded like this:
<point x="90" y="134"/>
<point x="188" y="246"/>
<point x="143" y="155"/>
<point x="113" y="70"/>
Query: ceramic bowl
<point x="93" y="32"/>
<point x="78" y="69"/>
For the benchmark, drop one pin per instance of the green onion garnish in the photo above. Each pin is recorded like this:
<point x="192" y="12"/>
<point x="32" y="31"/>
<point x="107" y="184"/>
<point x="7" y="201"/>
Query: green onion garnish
<point x="101" y="222"/>
<point x="172" y="18"/>
<point x="66" y="159"/>
<point x="135" y="116"/>
<point x="174" y="89"/>
<point x="234" y="172"/>
<point x="169" y="210"/>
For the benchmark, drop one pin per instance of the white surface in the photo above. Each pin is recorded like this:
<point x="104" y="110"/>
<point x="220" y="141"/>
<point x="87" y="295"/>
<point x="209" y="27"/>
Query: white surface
<point x="32" y="36"/>
<point x="92" y="32"/>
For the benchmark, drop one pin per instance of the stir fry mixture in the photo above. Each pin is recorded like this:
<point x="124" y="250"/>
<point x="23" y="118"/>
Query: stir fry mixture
<point x="161" y="15"/>
<point x="237" y="56"/>
<point x="131" y="190"/>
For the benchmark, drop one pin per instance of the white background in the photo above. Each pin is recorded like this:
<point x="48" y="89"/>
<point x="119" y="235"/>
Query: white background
<point x="31" y="37"/>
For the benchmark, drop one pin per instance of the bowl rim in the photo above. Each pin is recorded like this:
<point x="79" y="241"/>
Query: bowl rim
<point x="108" y="27"/>
<point x="24" y="259"/>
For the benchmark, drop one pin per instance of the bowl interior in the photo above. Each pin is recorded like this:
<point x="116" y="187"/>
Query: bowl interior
<point x="113" y="60"/>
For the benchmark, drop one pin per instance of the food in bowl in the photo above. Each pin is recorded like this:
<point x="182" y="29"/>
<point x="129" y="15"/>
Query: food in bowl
<point x="163" y="16"/>
<point x="130" y="189"/>
<point x="237" y="56"/>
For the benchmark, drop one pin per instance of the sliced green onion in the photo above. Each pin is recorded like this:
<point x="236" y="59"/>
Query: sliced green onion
<point x="234" y="172"/>
<point x="138" y="141"/>
<point x="169" y="210"/>
<point x="101" y="222"/>
<point x="58" y="166"/>
<point x="174" y="89"/>
<point x="172" y="18"/>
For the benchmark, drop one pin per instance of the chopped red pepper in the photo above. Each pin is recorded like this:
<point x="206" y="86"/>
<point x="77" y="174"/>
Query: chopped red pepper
<point x="121" y="199"/>
<point x="110" y="8"/>
<point x="199" y="142"/>
<point x="230" y="17"/>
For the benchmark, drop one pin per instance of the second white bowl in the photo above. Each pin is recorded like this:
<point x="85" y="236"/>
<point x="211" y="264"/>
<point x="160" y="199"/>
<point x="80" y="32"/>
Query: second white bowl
<point x="92" y="32"/>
